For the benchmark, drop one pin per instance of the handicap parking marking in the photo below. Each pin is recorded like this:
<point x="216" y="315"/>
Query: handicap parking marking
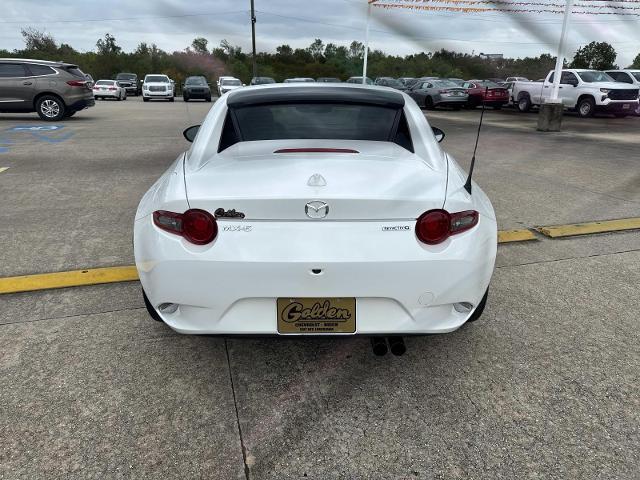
<point x="41" y="133"/>
<point x="57" y="139"/>
<point x="35" y="128"/>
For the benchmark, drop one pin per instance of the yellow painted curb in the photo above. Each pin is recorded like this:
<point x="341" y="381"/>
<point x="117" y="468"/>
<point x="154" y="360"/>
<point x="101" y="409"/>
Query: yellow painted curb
<point x="509" y="236"/>
<point x="557" y="231"/>
<point x="76" y="278"/>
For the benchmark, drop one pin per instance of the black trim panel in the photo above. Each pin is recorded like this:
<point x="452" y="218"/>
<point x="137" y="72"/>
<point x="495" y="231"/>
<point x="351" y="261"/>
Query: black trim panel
<point x="314" y="94"/>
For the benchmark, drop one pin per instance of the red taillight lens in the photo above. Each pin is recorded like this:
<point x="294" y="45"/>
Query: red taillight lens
<point x="435" y="226"/>
<point x="112" y="88"/>
<point x="196" y="226"/>
<point x="199" y="227"/>
<point x="76" y="83"/>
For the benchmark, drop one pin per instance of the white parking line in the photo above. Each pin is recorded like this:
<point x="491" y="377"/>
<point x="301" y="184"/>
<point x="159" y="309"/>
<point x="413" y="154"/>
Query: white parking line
<point x="3" y="169"/>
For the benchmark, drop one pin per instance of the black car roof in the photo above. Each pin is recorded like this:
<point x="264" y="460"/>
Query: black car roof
<point x="315" y="94"/>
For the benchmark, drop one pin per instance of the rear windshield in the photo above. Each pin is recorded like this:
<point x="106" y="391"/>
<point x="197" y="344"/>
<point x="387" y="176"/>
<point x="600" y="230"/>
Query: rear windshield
<point x="330" y="121"/>
<point x="233" y="83"/>
<point x="104" y="82"/>
<point x="156" y="78"/>
<point x="76" y="72"/>
<point x="125" y="76"/>
<point x="594" y="76"/>
<point x="636" y="75"/>
<point x="444" y="83"/>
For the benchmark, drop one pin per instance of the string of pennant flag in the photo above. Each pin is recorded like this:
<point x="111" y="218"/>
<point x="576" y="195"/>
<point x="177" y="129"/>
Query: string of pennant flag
<point x="581" y="7"/>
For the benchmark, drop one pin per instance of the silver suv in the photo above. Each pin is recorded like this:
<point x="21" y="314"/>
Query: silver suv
<point x="55" y="90"/>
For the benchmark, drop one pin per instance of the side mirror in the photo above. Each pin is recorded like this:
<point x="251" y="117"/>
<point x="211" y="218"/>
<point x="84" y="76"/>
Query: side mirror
<point x="439" y="134"/>
<point x="191" y="132"/>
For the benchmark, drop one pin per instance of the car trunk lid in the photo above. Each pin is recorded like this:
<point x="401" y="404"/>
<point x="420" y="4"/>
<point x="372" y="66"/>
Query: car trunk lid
<point x="379" y="181"/>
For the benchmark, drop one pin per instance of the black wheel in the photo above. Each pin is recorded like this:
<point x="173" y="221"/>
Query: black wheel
<point x="150" y="309"/>
<point x="620" y="115"/>
<point x="50" y="108"/>
<point x="171" y="99"/>
<point x="185" y="98"/>
<point x="145" y="99"/>
<point x="119" y="98"/>
<point x="524" y="104"/>
<point x="586" y="107"/>
<point x="497" y="107"/>
<point x="477" y="313"/>
<point x="208" y="99"/>
<point x="428" y="103"/>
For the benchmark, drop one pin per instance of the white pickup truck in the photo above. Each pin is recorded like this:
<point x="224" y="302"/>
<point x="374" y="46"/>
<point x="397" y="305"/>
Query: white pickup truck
<point x="587" y="91"/>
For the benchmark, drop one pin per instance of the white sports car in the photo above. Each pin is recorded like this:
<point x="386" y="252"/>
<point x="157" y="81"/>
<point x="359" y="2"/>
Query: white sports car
<point x="315" y="209"/>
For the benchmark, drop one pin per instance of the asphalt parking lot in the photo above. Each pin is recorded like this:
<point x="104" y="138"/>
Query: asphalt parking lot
<point x="545" y="386"/>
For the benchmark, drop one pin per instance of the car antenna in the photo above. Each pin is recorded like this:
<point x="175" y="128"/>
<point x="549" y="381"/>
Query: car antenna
<point x="467" y="185"/>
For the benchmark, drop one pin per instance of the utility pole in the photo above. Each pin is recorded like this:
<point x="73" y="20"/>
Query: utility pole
<point x="253" y="39"/>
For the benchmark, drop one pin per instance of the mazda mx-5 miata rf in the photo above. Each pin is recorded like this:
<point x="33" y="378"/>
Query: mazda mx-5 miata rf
<point x="315" y="209"/>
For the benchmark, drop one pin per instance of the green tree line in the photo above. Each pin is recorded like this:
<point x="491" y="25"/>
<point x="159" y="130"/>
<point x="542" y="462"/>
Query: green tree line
<point x="317" y="60"/>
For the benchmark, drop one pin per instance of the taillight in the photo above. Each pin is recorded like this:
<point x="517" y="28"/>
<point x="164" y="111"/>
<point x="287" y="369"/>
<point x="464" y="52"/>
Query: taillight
<point x="112" y="88"/>
<point x="443" y="91"/>
<point x="196" y="226"/>
<point x="435" y="226"/>
<point x="77" y="83"/>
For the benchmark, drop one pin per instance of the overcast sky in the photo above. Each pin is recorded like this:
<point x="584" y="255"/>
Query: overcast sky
<point x="172" y="24"/>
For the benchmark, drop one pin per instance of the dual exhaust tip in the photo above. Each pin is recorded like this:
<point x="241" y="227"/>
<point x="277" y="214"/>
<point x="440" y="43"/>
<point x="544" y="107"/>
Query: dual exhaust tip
<point x="395" y="344"/>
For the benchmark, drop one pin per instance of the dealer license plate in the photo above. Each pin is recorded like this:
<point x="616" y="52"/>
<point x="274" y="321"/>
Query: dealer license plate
<point x="316" y="315"/>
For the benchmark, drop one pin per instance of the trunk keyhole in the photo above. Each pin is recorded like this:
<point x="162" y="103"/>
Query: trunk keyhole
<point x="316" y="271"/>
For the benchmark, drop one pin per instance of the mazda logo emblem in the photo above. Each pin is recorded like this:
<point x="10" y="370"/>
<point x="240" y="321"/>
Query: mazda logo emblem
<point x="316" y="209"/>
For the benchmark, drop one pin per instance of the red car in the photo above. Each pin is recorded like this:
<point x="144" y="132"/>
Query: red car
<point x="491" y="93"/>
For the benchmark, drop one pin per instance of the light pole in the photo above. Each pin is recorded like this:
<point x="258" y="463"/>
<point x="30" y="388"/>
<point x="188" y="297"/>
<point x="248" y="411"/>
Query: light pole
<point x="561" y="52"/>
<point x="366" y="44"/>
<point x="551" y="109"/>
<point x="253" y="39"/>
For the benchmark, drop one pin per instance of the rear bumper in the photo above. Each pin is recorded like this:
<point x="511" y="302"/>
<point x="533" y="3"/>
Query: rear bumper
<point x="450" y="101"/>
<point x="232" y="285"/>
<point x="82" y="104"/>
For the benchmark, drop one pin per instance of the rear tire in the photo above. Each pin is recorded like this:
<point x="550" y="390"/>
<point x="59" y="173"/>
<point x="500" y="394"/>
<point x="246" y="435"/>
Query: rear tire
<point x="50" y="108"/>
<point x="152" y="311"/>
<point x="185" y="98"/>
<point x="208" y="99"/>
<point x="477" y="313"/>
<point x="145" y="99"/>
<point x="524" y="104"/>
<point x="497" y="107"/>
<point x="586" y="107"/>
<point x="171" y="99"/>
